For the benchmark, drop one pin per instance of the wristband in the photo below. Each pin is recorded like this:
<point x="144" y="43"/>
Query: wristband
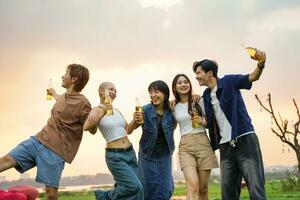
<point x="261" y="65"/>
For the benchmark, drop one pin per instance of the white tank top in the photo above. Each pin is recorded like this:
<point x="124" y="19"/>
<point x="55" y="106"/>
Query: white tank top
<point x="112" y="126"/>
<point x="185" y="120"/>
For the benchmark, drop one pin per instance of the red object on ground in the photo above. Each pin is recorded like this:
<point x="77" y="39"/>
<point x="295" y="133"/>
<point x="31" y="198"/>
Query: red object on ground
<point x="4" y="195"/>
<point x="31" y="192"/>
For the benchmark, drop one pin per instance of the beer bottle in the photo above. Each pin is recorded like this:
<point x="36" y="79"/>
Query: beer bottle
<point x="107" y="101"/>
<point x="195" y="114"/>
<point x="138" y="108"/>
<point x="253" y="54"/>
<point x="50" y="85"/>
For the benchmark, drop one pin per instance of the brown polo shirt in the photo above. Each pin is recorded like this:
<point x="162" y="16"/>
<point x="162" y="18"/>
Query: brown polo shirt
<point x="64" y="129"/>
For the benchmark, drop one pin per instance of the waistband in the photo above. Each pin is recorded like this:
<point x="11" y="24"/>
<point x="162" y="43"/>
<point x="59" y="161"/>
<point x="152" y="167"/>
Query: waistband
<point x="193" y="134"/>
<point x="119" y="150"/>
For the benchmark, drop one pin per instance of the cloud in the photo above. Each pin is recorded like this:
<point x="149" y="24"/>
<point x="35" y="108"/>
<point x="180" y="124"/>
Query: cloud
<point x="127" y="33"/>
<point x="159" y="4"/>
<point x="282" y="19"/>
<point x="121" y="30"/>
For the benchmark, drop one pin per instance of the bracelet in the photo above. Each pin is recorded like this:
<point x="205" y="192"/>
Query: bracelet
<point x="260" y="65"/>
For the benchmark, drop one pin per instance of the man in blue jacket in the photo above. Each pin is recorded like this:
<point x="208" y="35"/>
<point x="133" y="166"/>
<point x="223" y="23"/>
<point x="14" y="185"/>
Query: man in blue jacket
<point x="230" y="128"/>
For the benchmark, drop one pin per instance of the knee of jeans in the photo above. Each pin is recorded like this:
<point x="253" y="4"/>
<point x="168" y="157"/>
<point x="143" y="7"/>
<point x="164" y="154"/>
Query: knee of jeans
<point x="135" y="188"/>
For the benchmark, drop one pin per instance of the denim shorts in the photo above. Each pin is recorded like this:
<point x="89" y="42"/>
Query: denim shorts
<point x="31" y="153"/>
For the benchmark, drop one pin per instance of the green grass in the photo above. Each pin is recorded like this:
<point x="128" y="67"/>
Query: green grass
<point x="273" y="189"/>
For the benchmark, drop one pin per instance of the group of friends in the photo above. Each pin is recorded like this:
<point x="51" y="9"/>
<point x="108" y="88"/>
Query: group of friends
<point x="221" y="110"/>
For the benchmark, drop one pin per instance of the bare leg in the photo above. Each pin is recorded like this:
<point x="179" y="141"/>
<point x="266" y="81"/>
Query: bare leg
<point x="203" y="184"/>
<point x="192" y="184"/>
<point x="7" y="162"/>
<point x="51" y="193"/>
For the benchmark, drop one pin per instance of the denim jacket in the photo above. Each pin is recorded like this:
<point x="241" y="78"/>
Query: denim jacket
<point x="150" y="130"/>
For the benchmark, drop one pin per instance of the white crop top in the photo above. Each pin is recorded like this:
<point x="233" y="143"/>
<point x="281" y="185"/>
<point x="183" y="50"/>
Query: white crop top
<point x="112" y="126"/>
<point x="185" y="120"/>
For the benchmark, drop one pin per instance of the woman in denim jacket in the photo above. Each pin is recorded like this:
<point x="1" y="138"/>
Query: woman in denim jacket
<point x="157" y="144"/>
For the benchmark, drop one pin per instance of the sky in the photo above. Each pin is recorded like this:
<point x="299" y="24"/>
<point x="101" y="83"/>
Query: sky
<point x="132" y="43"/>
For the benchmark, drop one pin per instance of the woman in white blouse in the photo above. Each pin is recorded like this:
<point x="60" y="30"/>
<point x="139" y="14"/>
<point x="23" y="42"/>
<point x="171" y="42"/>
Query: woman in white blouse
<point x="196" y="156"/>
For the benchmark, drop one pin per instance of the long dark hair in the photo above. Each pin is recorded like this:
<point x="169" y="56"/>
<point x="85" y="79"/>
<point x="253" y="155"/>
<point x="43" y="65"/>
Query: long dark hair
<point x="162" y="87"/>
<point x="190" y="100"/>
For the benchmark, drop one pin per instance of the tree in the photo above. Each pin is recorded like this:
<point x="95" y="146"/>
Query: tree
<point x="283" y="131"/>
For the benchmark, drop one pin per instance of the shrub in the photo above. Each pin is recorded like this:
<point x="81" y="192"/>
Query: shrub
<point x="292" y="181"/>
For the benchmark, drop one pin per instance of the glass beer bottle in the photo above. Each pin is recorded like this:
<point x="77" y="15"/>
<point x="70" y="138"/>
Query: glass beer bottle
<point x="138" y="108"/>
<point x="50" y="85"/>
<point x="107" y="101"/>
<point x="195" y="114"/>
<point x="253" y="53"/>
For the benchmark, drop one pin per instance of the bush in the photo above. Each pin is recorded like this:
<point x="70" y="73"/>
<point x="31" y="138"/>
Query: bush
<point x="292" y="182"/>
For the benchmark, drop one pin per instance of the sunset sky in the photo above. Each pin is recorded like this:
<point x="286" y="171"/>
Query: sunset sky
<point x="132" y="43"/>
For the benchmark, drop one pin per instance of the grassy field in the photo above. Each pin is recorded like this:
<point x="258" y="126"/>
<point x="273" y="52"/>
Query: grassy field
<point x="273" y="192"/>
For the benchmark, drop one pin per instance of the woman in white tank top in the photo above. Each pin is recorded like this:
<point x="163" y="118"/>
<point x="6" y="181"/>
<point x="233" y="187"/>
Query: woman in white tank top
<point x="120" y="156"/>
<point x="196" y="156"/>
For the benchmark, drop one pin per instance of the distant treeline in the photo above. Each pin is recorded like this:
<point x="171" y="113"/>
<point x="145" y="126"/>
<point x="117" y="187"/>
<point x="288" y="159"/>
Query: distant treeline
<point x="103" y="179"/>
<point x="98" y="179"/>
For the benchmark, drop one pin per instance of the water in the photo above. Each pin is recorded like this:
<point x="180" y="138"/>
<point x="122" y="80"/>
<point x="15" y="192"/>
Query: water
<point x="78" y="188"/>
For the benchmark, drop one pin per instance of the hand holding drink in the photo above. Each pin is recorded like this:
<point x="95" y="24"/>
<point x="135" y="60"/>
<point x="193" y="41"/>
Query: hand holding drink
<point x="138" y="115"/>
<point x="50" y="94"/>
<point x="195" y="118"/>
<point x="256" y="54"/>
<point x="107" y="103"/>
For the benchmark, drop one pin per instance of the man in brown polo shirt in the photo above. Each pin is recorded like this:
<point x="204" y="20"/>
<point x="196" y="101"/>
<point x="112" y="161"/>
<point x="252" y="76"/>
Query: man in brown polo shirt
<point x="59" y="140"/>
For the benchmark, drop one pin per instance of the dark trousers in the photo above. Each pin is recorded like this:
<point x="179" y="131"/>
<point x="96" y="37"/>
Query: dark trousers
<point x="243" y="160"/>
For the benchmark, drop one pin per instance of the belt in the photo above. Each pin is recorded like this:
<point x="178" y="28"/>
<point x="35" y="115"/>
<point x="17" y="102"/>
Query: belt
<point x="119" y="150"/>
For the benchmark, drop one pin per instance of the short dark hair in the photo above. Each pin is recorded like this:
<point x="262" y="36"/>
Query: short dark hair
<point x="81" y="73"/>
<point x="162" y="87"/>
<point x="207" y="65"/>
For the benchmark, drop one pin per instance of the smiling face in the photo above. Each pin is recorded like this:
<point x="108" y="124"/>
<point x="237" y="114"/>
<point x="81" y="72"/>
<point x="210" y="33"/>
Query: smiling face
<point x="159" y="94"/>
<point x="203" y="77"/>
<point x="157" y="97"/>
<point x="182" y="86"/>
<point x="110" y="87"/>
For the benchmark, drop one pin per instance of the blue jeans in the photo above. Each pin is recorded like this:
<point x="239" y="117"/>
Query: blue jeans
<point x="243" y="160"/>
<point x="31" y="153"/>
<point x="124" y="168"/>
<point x="156" y="176"/>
